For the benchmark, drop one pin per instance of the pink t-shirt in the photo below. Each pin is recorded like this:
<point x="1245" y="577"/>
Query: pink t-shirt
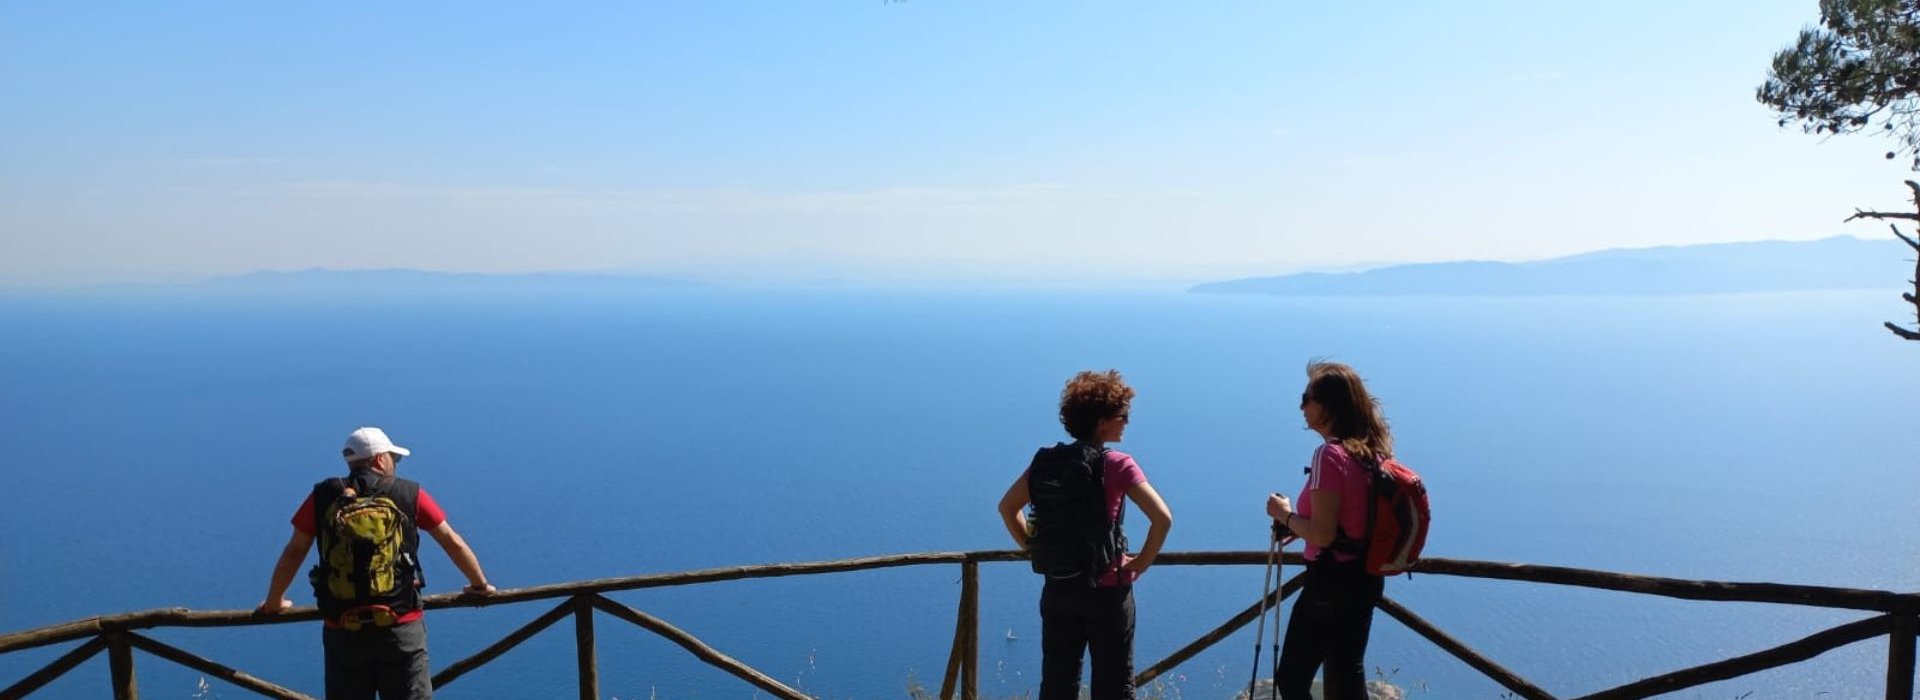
<point x="1334" y="470"/>
<point x="1121" y="474"/>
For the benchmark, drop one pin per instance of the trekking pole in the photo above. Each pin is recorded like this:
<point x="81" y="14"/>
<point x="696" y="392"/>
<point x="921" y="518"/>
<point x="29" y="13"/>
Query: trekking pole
<point x="1260" y="630"/>
<point x="1279" y="582"/>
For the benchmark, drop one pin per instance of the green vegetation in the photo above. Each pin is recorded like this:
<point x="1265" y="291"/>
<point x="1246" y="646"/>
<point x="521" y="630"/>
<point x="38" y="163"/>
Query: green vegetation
<point x="1859" y="70"/>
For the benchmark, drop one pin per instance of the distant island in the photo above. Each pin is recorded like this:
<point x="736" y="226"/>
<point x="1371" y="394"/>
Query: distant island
<point x="1837" y="263"/>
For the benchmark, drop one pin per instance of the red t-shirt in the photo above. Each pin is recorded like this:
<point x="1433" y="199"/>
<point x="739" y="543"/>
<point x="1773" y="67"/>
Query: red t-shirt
<point x="426" y="514"/>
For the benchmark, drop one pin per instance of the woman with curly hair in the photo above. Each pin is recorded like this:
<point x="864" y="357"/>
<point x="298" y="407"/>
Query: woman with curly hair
<point x="1076" y="489"/>
<point x="1334" y="614"/>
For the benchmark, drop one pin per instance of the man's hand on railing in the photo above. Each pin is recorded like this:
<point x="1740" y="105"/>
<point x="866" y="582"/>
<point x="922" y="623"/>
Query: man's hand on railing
<point x="273" y="607"/>
<point x="480" y="591"/>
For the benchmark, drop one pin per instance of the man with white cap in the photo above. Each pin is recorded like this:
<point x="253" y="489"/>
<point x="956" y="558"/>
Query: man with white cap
<point x="368" y="579"/>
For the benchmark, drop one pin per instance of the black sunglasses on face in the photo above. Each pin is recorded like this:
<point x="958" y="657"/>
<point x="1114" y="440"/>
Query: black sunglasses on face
<point x="1305" y="398"/>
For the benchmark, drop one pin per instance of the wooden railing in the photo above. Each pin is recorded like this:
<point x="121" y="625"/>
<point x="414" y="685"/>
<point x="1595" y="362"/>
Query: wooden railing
<point x="1895" y="615"/>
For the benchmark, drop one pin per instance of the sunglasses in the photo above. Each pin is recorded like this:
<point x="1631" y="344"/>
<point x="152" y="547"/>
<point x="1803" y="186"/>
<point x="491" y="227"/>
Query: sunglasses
<point x="1305" y="398"/>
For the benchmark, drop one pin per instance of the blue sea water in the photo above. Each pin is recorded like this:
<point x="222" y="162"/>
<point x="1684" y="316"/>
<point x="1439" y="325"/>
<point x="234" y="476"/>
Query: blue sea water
<point x="154" y="447"/>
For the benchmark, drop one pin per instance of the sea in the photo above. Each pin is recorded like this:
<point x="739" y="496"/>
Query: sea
<point x="154" y="446"/>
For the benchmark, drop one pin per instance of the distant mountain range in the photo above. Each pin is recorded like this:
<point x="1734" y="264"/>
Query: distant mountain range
<point x="1840" y="262"/>
<point x="405" y="281"/>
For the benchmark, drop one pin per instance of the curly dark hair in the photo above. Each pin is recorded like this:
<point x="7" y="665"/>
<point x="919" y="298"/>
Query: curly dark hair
<point x="1091" y="397"/>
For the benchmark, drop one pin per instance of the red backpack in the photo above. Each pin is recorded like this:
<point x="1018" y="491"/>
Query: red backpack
<point x="1397" y="520"/>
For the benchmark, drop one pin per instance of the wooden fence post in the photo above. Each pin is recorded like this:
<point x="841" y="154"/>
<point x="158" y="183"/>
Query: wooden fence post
<point x="963" y="660"/>
<point x="970" y="607"/>
<point x="120" y="658"/>
<point x="583" y="638"/>
<point x="1900" y="656"/>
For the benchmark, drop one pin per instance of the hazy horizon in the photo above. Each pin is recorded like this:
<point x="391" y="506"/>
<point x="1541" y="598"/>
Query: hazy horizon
<point x="882" y="142"/>
<point x="929" y="276"/>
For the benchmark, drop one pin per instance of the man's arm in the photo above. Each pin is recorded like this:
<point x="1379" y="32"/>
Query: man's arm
<point x="462" y="557"/>
<point x="1160" y="520"/>
<point x="1013" y="510"/>
<point x="283" y="571"/>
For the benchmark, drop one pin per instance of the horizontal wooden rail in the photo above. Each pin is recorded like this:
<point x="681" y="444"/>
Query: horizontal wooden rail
<point x="182" y="617"/>
<point x="1781" y="593"/>
<point x="1814" y="596"/>
<point x="117" y="628"/>
<point x="683" y="578"/>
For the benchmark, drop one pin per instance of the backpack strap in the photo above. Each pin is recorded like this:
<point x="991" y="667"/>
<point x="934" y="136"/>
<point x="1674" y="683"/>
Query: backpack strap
<point x="1349" y="545"/>
<point x="324" y="494"/>
<point x="1116" y="531"/>
<point x="1100" y="467"/>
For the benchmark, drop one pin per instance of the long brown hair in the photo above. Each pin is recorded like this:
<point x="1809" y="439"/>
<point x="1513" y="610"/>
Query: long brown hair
<point x="1353" y="415"/>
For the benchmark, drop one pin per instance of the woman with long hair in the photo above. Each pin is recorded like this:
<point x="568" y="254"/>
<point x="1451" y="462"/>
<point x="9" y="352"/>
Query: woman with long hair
<point x="1334" y="613"/>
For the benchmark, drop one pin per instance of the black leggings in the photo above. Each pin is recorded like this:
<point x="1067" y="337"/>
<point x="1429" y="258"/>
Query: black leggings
<point x="1076" y="619"/>
<point x="1329" y="626"/>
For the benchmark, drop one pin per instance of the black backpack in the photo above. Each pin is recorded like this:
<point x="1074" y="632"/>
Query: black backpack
<point x="369" y="544"/>
<point x="1072" y="534"/>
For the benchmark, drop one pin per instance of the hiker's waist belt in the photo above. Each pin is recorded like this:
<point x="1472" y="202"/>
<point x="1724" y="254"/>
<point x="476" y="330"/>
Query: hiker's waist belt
<point x="368" y="616"/>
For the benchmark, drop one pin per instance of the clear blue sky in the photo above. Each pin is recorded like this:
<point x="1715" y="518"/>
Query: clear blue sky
<point x="145" y="141"/>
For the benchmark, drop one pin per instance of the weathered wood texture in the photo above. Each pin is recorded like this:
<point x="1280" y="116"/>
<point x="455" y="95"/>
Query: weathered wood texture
<point x="1900" y="657"/>
<point x="56" y="669"/>
<point x="216" y="670"/>
<point x="513" y="639"/>
<point x="1800" y="650"/>
<point x="587" y="656"/>
<point x="1233" y="624"/>
<point x="120" y="660"/>
<point x="963" y="662"/>
<point x="1816" y="596"/>
<point x="1512" y="681"/>
<point x="699" y="649"/>
<point x="970" y="599"/>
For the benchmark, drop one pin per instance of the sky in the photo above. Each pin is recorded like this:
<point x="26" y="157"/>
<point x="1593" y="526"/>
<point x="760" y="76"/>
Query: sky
<point x="982" y="140"/>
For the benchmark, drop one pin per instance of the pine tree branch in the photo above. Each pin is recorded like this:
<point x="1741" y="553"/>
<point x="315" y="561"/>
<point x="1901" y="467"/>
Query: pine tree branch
<point x="1909" y="241"/>
<point x="1883" y="215"/>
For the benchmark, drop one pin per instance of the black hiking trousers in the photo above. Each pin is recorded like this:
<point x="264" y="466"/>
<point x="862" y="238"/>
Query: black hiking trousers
<point x="1076" y="619"/>
<point x="1329" y="627"/>
<point x="390" y="662"/>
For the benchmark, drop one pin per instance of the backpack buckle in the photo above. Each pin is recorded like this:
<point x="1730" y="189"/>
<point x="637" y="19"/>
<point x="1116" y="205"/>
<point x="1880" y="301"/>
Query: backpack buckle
<point x="376" y="616"/>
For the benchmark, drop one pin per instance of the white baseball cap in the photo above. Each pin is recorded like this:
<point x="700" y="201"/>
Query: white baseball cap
<point x="367" y="442"/>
